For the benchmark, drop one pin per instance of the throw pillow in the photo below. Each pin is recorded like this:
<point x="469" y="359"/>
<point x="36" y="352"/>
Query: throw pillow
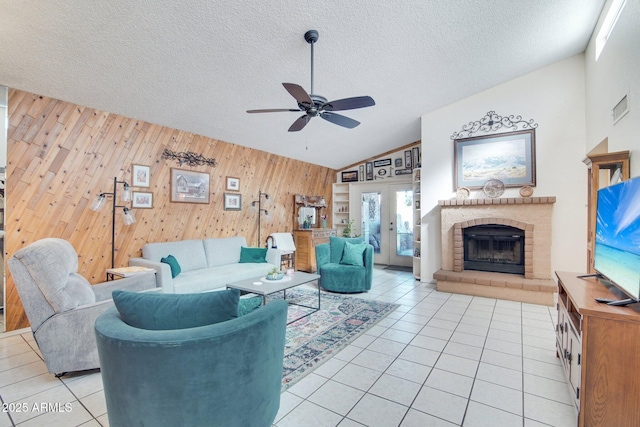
<point x="247" y="305"/>
<point x="157" y="311"/>
<point x="258" y="255"/>
<point x="173" y="263"/>
<point x="352" y="254"/>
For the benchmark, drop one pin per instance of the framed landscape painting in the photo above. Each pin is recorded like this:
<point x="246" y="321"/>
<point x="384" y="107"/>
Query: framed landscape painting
<point x="509" y="157"/>
<point x="189" y="187"/>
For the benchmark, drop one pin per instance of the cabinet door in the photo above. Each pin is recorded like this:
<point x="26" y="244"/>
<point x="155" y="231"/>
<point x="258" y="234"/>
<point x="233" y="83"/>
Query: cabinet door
<point x="574" y="359"/>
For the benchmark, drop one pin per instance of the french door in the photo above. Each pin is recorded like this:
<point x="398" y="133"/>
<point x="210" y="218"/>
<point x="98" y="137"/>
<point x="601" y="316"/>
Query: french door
<point x="385" y="218"/>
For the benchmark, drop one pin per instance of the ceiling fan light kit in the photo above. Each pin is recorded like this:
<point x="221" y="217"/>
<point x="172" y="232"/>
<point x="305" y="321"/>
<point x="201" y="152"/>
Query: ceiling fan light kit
<point x="316" y="105"/>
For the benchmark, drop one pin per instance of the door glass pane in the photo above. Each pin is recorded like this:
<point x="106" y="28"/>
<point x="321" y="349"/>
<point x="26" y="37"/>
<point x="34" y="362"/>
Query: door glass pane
<point x="371" y="219"/>
<point x="404" y="223"/>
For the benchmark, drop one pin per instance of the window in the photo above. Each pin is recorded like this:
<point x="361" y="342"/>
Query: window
<point x="607" y="25"/>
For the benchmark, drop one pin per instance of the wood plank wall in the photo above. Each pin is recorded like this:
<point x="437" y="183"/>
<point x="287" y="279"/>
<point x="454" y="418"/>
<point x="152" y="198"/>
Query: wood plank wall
<point x="61" y="155"/>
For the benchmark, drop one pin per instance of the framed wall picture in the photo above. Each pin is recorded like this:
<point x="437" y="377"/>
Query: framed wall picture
<point x="403" y="171"/>
<point x="416" y="157"/>
<point x="407" y="160"/>
<point x="349" y="176"/>
<point x="233" y="184"/>
<point x="189" y="186"/>
<point x="142" y="200"/>
<point x="398" y="162"/>
<point x="232" y="202"/>
<point x="509" y="157"/>
<point x="140" y="176"/>
<point x="384" y="162"/>
<point x="369" y="166"/>
<point x="361" y="174"/>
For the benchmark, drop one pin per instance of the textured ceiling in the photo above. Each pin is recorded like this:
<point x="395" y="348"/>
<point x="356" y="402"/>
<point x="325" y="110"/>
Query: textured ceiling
<point x="199" y="65"/>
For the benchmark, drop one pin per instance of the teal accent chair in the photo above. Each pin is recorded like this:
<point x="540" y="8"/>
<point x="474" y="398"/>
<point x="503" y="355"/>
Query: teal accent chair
<point x="337" y="277"/>
<point x="224" y="374"/>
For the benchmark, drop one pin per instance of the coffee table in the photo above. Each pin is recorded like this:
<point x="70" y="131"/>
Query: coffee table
<point x="266" y="287"/>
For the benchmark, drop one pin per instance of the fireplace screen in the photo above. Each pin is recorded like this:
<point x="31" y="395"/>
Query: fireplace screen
<point x="497" y="248"/>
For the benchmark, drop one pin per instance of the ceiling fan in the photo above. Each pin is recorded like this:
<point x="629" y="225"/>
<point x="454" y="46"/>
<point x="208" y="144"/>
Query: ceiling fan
<point x="316" y="105"/>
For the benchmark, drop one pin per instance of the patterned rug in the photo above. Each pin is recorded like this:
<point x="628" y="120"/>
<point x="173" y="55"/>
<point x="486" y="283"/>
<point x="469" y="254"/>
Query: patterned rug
<point x="313" y="339"/>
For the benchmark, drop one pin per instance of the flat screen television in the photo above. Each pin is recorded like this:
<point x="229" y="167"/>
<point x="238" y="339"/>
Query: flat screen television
<point x="617" y="245"/>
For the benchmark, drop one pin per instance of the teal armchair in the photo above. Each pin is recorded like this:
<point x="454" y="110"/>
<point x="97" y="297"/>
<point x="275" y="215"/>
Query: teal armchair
<point x="222" y="374"/>
<point x="339" y="273"/>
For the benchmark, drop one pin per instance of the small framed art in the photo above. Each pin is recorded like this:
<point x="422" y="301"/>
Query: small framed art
<point x="349" y="176"/>
<point x="232" y="202"/>
<point x="383" y="162"/>
<point x="233" y="184"/>
<point x="369" y="166"/>
<point x="142" y="200"/>
<point x="141" y="175"/>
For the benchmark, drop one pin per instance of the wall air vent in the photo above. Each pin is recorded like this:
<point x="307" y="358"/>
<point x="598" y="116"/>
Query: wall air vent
<point x="620" y="109"/>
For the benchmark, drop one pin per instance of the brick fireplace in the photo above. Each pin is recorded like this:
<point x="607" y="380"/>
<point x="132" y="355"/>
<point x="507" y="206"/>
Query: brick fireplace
<point x="531" y="216"/>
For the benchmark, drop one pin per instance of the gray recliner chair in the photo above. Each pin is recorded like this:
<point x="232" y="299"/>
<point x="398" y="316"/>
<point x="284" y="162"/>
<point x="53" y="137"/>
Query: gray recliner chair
<point x="61" y="305"/>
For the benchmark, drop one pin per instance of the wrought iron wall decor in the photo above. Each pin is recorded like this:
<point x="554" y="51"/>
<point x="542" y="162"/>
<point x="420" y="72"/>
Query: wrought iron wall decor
<point x="492" y="122"/>
<point x="188" y="157"/>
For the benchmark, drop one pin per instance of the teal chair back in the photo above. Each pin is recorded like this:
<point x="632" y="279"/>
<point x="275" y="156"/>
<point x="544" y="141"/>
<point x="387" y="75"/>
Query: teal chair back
<point x="225" y="374"/>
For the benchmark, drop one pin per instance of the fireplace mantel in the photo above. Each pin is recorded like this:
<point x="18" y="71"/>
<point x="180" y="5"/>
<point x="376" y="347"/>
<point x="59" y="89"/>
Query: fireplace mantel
<point x="505" y="201"/>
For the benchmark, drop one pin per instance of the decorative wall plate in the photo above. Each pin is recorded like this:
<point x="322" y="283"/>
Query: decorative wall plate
<point x="463" y="193"/>
<point x="526" y="191"/>
<point x="493" y="188"/>
<point x="382" y="172"/>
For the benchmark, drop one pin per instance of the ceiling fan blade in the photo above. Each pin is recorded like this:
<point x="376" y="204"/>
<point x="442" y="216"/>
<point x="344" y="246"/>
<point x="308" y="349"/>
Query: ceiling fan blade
<point x="300" y="123"/>
<point x="340" y="120"/>
<point x="349" y="103"/>
<point x="273" y="110"/>
<point x="298" y="93"/>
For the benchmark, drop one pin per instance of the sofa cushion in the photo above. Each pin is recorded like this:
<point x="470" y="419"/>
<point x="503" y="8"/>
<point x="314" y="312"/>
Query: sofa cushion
<point x="173" y="263"/>
<point x="353" y="254"/>
<point x="157" y="311"/>
<point x="336" y="245"/>
<point x="253" y="255"/>
<point x="224" y="250"/>
<point x="189" y="253"/>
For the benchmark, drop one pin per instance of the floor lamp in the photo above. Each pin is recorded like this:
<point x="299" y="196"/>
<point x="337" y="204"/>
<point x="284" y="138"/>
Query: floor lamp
<point x="128" y="218"/>
<point x="260" y="210"/>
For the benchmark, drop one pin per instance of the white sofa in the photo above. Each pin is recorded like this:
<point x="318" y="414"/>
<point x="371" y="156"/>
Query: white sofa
<point x="206" y="264"/>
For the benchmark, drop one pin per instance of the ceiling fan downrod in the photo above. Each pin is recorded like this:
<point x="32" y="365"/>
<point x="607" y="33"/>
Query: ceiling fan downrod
<point x="311" y="37"/>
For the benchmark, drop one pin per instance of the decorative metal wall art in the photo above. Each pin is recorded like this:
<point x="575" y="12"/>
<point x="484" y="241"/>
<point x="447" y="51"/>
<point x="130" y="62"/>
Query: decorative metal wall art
<point x="491" y="122"/>
<point x="188" y="157"/>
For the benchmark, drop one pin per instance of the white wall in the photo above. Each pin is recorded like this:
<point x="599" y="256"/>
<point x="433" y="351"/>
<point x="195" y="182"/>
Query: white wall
<point x="616" y="73"/>
<point x="554" y="98"/>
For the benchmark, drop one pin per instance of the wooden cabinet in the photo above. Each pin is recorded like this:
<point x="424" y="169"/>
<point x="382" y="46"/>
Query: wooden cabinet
<point x="599" y="346"/>
<point x="604" y="170"/>
<point x="306" y="241"/>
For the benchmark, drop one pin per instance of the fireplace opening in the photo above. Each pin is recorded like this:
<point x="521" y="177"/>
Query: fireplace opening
<point x="493" y="247"/>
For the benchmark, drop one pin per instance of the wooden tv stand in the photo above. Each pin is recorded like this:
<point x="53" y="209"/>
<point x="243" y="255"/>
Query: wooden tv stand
<point x="599" y="346"/>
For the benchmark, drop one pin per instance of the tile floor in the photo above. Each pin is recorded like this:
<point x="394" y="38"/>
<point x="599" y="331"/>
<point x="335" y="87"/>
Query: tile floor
<point x="438" y="360"/>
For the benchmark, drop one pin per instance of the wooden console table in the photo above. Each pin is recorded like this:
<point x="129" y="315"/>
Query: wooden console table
<point x="306" y="241"/>
<point x="599" y="346"/>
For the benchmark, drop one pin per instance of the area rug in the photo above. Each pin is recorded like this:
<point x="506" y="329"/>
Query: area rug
<point x="312" y="340"/>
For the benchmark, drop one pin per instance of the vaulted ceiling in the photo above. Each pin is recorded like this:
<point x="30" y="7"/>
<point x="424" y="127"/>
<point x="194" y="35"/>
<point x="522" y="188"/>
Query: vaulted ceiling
<point x="199" y="65"/>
